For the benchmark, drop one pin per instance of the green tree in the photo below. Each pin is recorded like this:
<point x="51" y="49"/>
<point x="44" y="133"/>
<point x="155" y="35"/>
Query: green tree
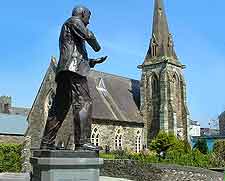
<point x="201" y="145"/>
<point x="167" y="142"/>
<point x="162" y="142"/>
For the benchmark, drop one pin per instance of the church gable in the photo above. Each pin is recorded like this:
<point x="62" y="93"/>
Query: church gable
<point x="39" y="110"/>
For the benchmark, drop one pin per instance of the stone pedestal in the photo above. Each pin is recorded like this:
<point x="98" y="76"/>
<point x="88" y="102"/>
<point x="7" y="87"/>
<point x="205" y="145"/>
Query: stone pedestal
<point x="65" y="165"/>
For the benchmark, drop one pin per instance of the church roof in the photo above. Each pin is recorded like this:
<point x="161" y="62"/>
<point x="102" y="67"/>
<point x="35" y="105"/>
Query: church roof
<point x="114" y="97"/>
<point x="12" y="124"/>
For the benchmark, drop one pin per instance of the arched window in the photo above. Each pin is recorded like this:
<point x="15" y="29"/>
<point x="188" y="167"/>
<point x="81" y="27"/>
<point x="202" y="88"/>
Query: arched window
<point x="118" y="141"/>
<point x="95" y="137"/>
<point x="50" y="99"/>
<point x="177" y="93"/>
<point x="155" y="107"/>
<point x="138" y="146"/>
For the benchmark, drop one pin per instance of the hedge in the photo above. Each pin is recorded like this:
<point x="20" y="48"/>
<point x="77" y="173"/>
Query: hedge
<point x="10" y="157"/>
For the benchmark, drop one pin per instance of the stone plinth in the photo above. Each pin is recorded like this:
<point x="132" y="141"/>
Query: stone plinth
<point x="65" y="166"/>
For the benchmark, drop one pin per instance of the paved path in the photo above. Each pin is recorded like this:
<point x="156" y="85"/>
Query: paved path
<point x="14" y="177"/>
<point x="26" y="177"/>
<point x="112" y="179"/>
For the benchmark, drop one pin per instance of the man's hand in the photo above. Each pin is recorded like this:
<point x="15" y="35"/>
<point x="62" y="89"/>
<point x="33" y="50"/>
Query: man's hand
<point x="100" y="60"/>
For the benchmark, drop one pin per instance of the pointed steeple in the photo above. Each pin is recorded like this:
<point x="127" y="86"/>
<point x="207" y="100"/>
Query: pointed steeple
<point x="161" y="44"/>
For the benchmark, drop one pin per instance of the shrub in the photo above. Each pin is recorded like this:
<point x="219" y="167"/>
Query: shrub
<point x="121" y="154"/>
<point x="162" y="142"/>
<point x="10" y="158"/>
<point x="167" y="142"/>
<point x="201" y="145"/>
<point x="175" y="152"/>
<point x="107" y="156"/>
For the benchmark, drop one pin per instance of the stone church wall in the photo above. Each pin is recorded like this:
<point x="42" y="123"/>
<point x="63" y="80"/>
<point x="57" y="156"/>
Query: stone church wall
<point x="108" y="133"/>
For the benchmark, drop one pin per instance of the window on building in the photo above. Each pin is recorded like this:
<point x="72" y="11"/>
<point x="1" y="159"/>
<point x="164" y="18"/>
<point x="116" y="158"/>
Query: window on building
<point x="138" y="146"/>
<point x="153" y="46"/>
<point x="155" y="104"/>
<point x="155" y="86"/>
<point x="50" y="99"/>
<point x="118" y="141"/>
<point x="95" y="137"/>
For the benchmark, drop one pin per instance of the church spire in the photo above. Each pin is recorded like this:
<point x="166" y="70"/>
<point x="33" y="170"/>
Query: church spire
<point x="161" y="44"/>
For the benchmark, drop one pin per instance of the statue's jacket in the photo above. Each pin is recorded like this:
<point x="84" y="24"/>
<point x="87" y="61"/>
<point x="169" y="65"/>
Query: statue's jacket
<point x="73" y="53"/>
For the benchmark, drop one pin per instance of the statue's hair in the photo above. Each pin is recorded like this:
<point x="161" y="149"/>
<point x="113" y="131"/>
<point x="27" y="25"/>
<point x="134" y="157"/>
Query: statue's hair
<point x="79" y="10"/>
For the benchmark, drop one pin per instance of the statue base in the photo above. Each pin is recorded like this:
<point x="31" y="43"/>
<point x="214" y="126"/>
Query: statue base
<point x="65" y="165"/>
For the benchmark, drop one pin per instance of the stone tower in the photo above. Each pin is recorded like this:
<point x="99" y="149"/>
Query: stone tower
<point x="5" y="104"/>
<point x="163" y="88"/>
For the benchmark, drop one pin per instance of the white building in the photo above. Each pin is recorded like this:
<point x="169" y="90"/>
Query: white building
<point x="194" y="129"/>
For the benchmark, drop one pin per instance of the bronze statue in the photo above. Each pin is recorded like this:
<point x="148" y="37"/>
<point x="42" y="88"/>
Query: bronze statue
<point x="72" y="86"/>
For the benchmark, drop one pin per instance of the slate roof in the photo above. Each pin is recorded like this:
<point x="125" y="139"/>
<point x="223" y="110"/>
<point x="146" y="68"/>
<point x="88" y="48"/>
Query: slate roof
<point x="114" y="97"/>
<point x="12" y="124"/>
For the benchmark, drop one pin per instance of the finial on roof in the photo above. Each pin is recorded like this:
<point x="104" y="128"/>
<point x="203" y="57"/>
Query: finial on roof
<point x="53" y="60"/>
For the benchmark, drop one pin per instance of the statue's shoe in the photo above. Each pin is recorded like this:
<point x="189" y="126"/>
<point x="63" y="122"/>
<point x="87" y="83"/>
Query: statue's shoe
<point x="88" y="147"/>
<point x="49" y="147"/>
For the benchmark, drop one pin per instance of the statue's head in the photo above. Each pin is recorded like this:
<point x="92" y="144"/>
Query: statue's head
<point x="83" y="13"/>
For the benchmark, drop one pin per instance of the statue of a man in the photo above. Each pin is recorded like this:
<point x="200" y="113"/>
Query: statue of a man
<point x="72" y="86"/>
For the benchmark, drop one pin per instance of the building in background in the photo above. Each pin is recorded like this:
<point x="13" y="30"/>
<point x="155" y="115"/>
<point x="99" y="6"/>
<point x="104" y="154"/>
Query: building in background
<point x="13" y="121"/>
<point x="13" y="128"/>
<point x="7" y="108"/>
<point x="194" y="129"/>
<point x="5" y="104"/>
<point x="210" y="132"/>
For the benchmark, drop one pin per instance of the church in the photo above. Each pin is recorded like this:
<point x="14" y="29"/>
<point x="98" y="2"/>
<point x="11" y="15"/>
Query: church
<point x="127" y="114"/>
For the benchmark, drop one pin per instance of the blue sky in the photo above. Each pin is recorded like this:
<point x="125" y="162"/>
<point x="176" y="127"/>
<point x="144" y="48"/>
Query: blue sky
<point x="29" y="37"/>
